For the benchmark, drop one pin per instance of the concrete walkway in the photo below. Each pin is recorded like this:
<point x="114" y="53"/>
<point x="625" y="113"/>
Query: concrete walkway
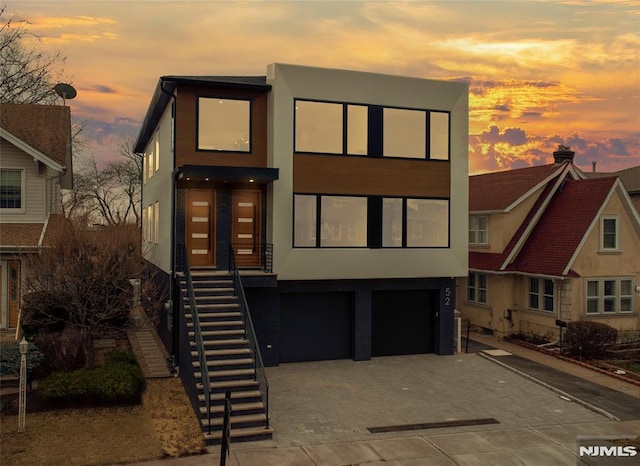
<point x="148" y="348"/>
<point x="323" y="413"/>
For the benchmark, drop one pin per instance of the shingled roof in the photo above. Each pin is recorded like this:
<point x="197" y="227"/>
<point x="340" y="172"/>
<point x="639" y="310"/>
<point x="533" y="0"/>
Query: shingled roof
<point x="499" y="190"/>
<point x="46" y="128"/>
<point x="560" y="230"/>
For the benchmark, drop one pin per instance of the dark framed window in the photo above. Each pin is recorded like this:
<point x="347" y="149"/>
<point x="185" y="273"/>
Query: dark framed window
<point x="11" y="189"/>
<point x="224" y="124"/>
<point x="369" y="221"/>
<point x="337" y="128"/>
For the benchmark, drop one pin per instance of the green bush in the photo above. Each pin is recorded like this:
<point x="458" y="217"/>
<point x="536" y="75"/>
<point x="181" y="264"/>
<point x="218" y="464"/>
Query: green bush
<point x="119" y="381"/>
<point x="588" y="339"/>
<point x="10" y="358"/>
<point x="121" y="356"/>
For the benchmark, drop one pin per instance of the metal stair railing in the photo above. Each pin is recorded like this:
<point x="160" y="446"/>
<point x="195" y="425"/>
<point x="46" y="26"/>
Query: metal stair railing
<point x="260" y="374"/>
<point x="197" y="333"/>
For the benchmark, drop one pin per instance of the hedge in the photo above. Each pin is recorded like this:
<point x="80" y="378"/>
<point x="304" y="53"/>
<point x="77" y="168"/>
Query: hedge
<point x="119" y="381"/>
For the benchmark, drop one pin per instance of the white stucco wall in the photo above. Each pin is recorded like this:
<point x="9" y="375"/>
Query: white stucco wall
<point x="291" y="82"/>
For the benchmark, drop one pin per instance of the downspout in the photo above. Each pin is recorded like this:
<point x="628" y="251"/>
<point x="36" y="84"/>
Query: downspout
<point x="172" y="305"/>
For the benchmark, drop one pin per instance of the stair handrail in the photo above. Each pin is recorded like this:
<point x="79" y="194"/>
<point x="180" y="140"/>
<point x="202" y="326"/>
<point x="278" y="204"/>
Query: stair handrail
<point x="197" y="333"/>
<point x="259" y="371"/>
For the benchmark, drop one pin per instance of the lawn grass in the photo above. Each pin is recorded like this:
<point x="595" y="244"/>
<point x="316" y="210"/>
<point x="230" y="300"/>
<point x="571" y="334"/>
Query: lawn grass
<point x="163" y="425"/>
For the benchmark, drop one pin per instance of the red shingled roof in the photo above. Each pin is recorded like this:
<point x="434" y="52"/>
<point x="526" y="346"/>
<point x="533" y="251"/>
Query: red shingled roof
<point x="497" y="191"/>
<point x="560" y="230"/>
<point x="46" y="128"/>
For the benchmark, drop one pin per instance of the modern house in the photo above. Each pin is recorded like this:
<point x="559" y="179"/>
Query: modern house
<point x="548" y="243"/>
<point x="341" y="194"/>
<point x="35" y="143"/>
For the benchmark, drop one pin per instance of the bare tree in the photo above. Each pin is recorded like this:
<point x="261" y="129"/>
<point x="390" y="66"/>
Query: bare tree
<point x="80" y="282"/>
<point x="111" y="194"/>
<point x="27" y="73"/>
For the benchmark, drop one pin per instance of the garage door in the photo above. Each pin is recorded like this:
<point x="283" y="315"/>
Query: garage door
<point x="315" y="326"/>
<point x="403" y="322"/>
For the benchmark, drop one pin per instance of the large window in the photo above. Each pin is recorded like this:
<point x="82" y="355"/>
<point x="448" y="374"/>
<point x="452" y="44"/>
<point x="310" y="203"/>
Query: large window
<point x="305" y="210"/>
<point x="392" y="222"/>
<point x="343" y="221"/>
<point x="11" y="189"/>
<point x="372" y="130"/>
<point x="609" y="295"/>
<point x="224" y="124"/>
<point x="478" y="230"/>
<point x="477" y="288"/>
<point x="358" y="221"/>
<point x="541" y="294"/>
<point x="439" y="135"/>
<point x="404" y="133"/>
<point x="427" y="223"/>
<point x="609" y="233"/>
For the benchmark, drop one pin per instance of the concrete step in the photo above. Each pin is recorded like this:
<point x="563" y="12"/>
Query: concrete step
<point x="221" y="386"/>
<point x="238" y="409"/>
<point x="228" y="353"/>
<point x="219" y="334"/>
<point x="213" y="307"/>
<point x="230" y="374"/>
<point x="247" y="434"/>
<point x="247" y="420"/>
<point x="243" y="396"/>
<point x="231" y="363"/>
<point x="202" y="316"/>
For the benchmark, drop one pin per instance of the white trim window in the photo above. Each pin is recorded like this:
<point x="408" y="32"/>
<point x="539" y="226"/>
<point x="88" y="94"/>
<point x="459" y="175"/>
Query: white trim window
<point x="541" y="295"/>
<point x="157" y="150"/>
<point x="609" y="296"/>
<point x="479" y="229"/>
<point x="156" y="222"/>
<point x="609" y="233"/>
<point x="12" y="192"/>
<point x="477" y="288"/>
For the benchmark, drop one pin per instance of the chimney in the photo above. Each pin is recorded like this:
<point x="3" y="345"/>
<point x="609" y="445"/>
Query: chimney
<point x="563" y="154"/>
<point x="593" y="164"/>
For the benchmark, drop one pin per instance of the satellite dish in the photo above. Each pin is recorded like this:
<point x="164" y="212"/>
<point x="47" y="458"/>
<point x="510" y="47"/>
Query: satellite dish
<point x="66" y="91"/>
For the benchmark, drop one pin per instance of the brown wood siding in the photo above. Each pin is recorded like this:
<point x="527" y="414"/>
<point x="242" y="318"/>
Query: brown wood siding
<point x="187" y="125"/>
<point x="370" y="176"/>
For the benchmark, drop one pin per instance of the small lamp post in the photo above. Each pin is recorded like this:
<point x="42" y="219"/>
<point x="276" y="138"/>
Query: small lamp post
<point x="22" y="397"/>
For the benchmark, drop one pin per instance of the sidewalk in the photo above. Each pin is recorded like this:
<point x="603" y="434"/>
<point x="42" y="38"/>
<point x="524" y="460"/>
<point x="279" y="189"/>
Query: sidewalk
<point x="564" y="366"/>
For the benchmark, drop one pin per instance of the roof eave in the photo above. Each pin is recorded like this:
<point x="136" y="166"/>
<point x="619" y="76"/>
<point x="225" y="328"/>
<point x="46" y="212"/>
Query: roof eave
<point x="35" y="153"/>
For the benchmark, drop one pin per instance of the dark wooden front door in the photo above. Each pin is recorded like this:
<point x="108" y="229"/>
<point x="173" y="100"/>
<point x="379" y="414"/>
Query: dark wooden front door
<point x="245" y="230"/>
<point x="200" y="227"/>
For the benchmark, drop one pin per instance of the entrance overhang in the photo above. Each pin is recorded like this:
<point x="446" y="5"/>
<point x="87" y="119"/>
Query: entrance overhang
<point x="224" y="173"/>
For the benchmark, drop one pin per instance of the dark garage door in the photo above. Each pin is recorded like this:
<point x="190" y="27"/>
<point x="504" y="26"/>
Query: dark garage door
<point x="403" y="322"/>
<point x="315" y="326"/>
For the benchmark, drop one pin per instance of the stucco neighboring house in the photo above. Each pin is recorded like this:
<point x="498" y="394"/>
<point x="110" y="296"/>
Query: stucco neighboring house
<point x="548" y="243"/>
<point x="35" y="164"/>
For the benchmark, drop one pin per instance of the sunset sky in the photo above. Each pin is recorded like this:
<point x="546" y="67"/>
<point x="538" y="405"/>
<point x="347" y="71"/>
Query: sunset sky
<point x="540" y="73"/>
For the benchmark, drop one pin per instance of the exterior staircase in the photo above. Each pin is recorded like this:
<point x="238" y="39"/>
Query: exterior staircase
<point x="230" y="361"/>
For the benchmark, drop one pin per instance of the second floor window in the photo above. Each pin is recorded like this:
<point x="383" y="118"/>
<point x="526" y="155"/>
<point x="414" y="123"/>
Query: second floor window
<point x="11" y="189"/>
<point x="609" y="233"/>
<point x="478" y="229"/>
<point x="224" y="124"/>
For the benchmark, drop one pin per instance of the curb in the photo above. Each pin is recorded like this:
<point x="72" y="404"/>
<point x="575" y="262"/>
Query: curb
<point x="573" y="361"/>
<point x="575" y="399"/>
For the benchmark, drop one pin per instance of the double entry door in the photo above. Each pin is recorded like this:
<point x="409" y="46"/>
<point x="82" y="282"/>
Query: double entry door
<point x="205" y="221"/>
